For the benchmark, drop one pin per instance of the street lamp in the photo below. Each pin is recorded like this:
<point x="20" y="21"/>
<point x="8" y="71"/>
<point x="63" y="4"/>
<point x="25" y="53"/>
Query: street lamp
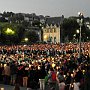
<point x="80" y="21"/>
<point x="77" y="31"/>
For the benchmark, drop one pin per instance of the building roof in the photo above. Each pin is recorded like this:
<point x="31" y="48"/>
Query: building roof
<point x="54" y="20"/>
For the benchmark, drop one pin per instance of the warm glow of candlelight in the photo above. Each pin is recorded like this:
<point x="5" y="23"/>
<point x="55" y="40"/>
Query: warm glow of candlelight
<point x="72" y="75"/>
<point x="53" y="65"/>
<point x="64" y="76"/>
<point x="4" y="65"/>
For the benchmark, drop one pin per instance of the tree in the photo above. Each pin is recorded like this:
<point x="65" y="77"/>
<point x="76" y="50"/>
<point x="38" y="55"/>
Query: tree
<point x="36" y="23"/>
<point x="21" y="33"/>
<point x="8" y="34"/>
<point x="7" y="14"/>
<point x="69" y="27"/>
<point x="11" y="33"/>
<point x="32" y="36"/>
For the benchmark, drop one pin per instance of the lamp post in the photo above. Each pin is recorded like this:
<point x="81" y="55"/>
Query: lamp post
<point x="80" y="21"/>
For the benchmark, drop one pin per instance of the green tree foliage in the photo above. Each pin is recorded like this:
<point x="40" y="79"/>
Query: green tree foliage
<point x="36" y="23"/>
<point x="16" y="18"/>
<point x="32" y="36"/>
<point x="25" y="24"/>
<point x="8" y="38"/>
<point x="11" y="38"/>
<point x="20" y="32"/>
<point x="7" y="14"/>
<point x="2" y="19"/>
<point x="69" y="27"/>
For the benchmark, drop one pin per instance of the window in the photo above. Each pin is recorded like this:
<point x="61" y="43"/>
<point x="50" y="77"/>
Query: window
<point x="45" y="31"/>
<point x="54" y="39"/>
<point x="51" y="30"/>
<point x="54" y="30"/>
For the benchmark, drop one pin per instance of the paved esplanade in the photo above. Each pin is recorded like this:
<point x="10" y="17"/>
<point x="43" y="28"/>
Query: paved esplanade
<point x="8" y="87"/>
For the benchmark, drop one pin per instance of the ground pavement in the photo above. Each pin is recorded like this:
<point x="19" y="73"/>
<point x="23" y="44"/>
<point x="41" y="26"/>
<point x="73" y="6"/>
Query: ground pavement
<point x="9" y="87"/>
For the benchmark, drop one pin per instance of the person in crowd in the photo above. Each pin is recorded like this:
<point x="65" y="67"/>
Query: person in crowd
<point x="7" y="73"/>
<point x="76" y="86"/>
<point x="52" y="79"/>
<point x="31" y="79"/>
<point x="61" y="85"/>
<point x="16" y="87"/>
<point x="68" y="81"/>
<point x="1" y="73"/>
<point x="25" y="74"/>
<point x="42" y="77"/>
<point x="64" y="56"/>
<point x="19" y="77"/>
<point x="13" y="68"/>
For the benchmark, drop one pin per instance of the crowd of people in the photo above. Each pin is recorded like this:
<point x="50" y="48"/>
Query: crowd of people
<point x="40" y="65"/>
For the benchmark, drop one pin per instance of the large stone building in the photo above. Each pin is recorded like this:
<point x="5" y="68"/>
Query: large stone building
<point x="52" y="29"/>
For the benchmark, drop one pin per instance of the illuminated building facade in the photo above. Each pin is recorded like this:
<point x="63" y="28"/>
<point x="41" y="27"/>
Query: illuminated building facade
<point x="52" y="30"/>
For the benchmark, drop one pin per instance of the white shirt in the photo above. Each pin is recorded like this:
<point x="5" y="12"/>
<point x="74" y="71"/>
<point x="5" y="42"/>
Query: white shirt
<point x="76" y="86"/>
<point x="61" y="86"/>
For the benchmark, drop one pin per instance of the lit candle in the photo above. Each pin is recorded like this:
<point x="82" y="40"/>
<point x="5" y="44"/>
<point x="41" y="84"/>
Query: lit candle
<point x="2" y="89"/>
<point x="72" y="85"/>
<point x="83" y="71"/>
<point x="53" y="65"/>
<point x="57" y="68"/>
<point x="4" y="65"/>
<point x="38" y="67"/>
<point x="71" y="75"/>
<point x="64" y="76"/>
<point x="1" y="64"/>
<point x="29" y="65"/>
